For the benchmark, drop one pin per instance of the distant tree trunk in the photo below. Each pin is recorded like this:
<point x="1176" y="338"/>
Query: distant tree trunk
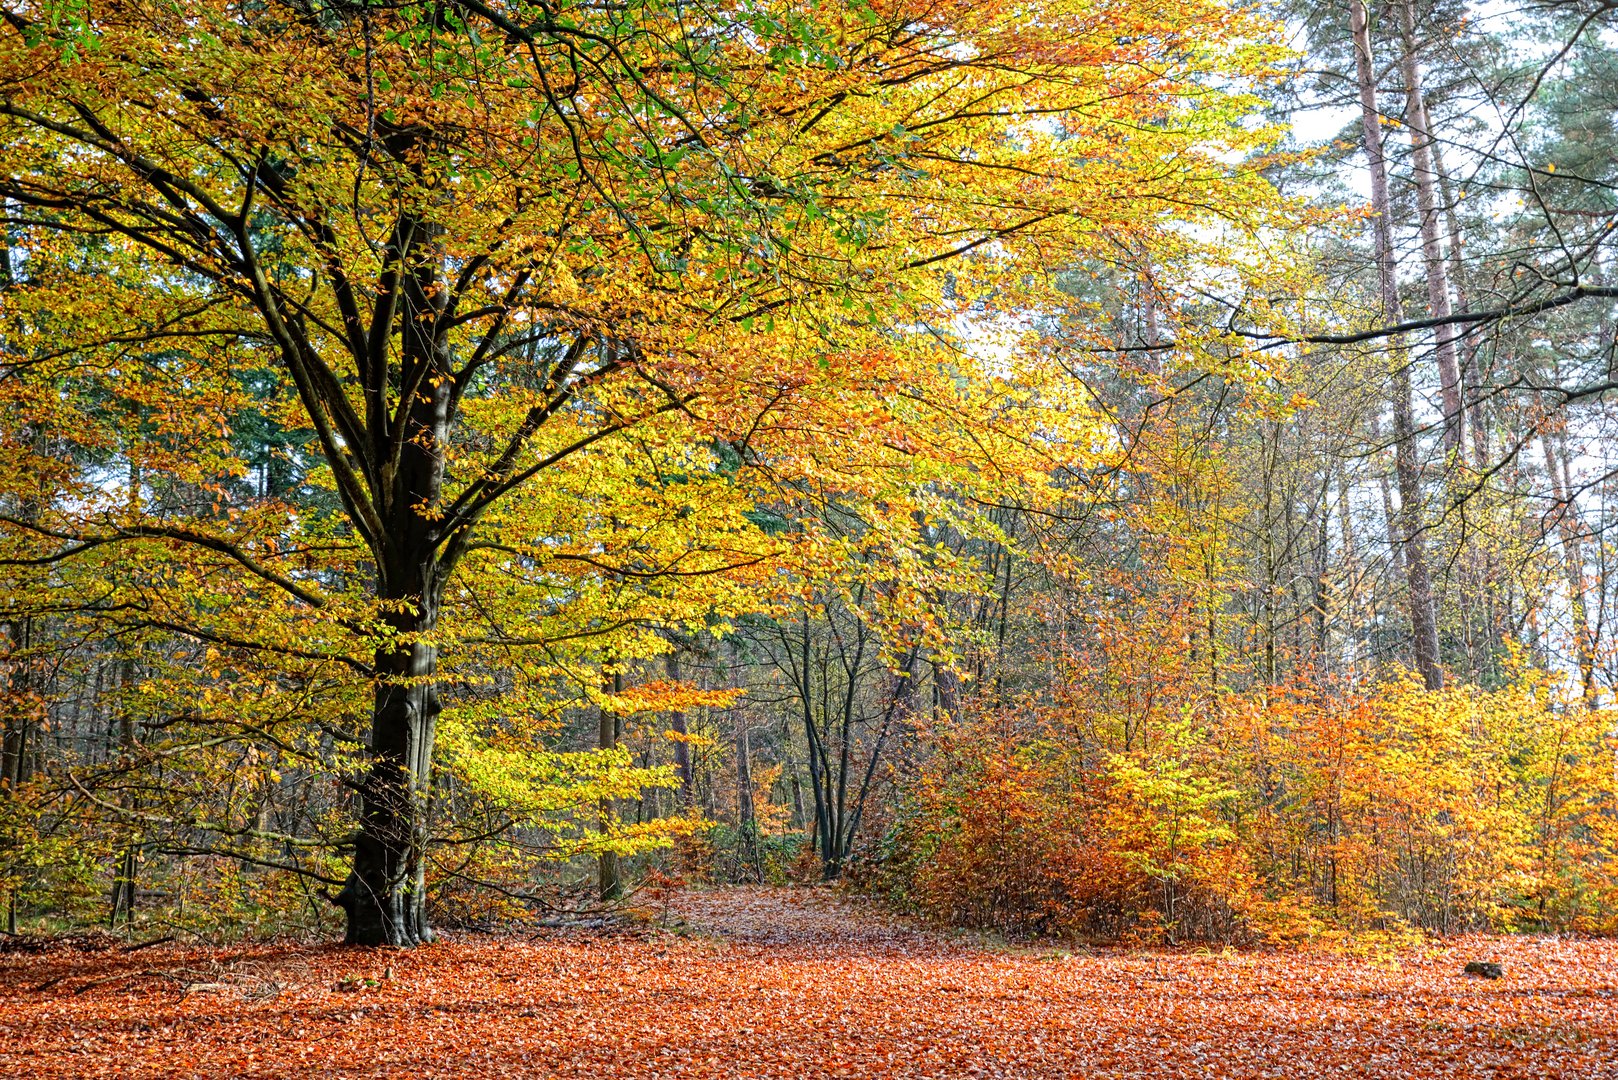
<point x="1438" y="297"/>
<point x="747" y="848"/>
<point x="799" y="816"/>
<point x="23" y="708"/>
<point x="1471" y="376"/>
<point x="832" y="719"/>
<point x="123" y="881"/>
<point x="827" y="766"/>
<point x="904" y="710"/>
<point x="1423" y="613"/>
<point x="947" y="691"/>
<point x="20" y="706"/>
<point x="894" y="719"/>
<point x="1153" y="362"/>
<point x="819" y="770"/>
<point x="1270" y="436"/>
<point x="682" y="745"/>
<point x="1350" y="563"/>
<point x="609" y="873"/>
<point x="1321" y="601"/>
<point x="746" y="812"/>
<point x="123" y="888"/>
<point x="1570" y="531"/>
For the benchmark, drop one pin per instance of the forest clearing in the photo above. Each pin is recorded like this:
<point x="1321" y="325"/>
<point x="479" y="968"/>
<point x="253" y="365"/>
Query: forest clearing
<point x="794" y="983"/>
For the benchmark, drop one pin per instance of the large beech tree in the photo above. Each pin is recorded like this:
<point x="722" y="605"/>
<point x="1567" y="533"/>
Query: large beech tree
<point x="552" y="294"/>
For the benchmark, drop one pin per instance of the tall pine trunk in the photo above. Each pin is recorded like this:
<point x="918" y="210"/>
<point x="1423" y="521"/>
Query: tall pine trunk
<point x="1438" y="299"/>
<point x="1423" y="614"/>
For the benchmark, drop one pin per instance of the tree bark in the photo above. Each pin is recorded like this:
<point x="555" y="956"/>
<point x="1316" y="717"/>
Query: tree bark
<point x="123" y="882"/>
<point x="947" y="692"/>
<point x="1350" y="562"/>
<point x="385" y="894"/>
<point x="746" y="812"/>
<point x="1321" y="601"/>
<point x="1423" y="614"/>
<point x="20" y="706"/>
<point x="609" y="871"/>
<point x="1471" y="375"/>
<point x="1438" y="298"/>
<point x="1570" y="531"/>
<point x="820" y="774"/>
<point x="682" y="747"/>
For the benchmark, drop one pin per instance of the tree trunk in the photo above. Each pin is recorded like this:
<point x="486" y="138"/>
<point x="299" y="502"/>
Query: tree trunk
<point x="385" y="896"/>
<point x="799" y="817"/>
<point x="904" y="711"/>
<point x="20" y="707"/>
<point x="609" y="872"/>
<point x="1350" y="567"/>
<point x="1570" y="531"/>
<point x="1471" y="374"/>
<point x="123" y="883"/>
<point x="748" y="862"/>
<point x="123" y="889"/>
<point x="1321" y="600"/>
<point x="747" y="853"/>
<point x="1438" y="300"/>
<point x="682" y="747"/>
<point x="842" y="834"/>
<point x="819" y="770"/>
<point x="746" y="813"/>
<point x="1423" y="614"/>
<point x="947" y="692"/>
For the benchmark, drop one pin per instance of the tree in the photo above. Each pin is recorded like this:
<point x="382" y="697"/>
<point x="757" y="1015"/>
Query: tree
<point x="555" y="292"/>
<point x="1423" y="609"/>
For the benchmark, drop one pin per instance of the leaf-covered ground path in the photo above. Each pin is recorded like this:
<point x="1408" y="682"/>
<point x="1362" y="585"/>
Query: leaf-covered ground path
<point x="797" y="983"/>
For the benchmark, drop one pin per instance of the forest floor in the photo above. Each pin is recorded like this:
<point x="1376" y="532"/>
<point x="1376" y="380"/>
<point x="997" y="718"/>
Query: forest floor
<point x="804" y="983"/>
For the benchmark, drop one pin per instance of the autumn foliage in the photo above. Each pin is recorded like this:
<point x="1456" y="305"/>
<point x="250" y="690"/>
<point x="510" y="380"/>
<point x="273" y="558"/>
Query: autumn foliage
<point x="782" y="983"/>
<point x="390" y="386"/>
<point x="1298" y="813"/>
<point x="463" y="461"/>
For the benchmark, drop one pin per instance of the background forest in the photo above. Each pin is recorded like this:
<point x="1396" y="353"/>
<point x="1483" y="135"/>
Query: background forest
<point x="1091" y="467"/>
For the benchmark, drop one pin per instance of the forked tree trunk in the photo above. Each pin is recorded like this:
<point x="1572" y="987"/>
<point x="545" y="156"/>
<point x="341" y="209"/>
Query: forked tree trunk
<point x="385" y="896"/>
<point x="747" y="849"/>
<point x="123" y="883"/>
<point x="746" y="811"/>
